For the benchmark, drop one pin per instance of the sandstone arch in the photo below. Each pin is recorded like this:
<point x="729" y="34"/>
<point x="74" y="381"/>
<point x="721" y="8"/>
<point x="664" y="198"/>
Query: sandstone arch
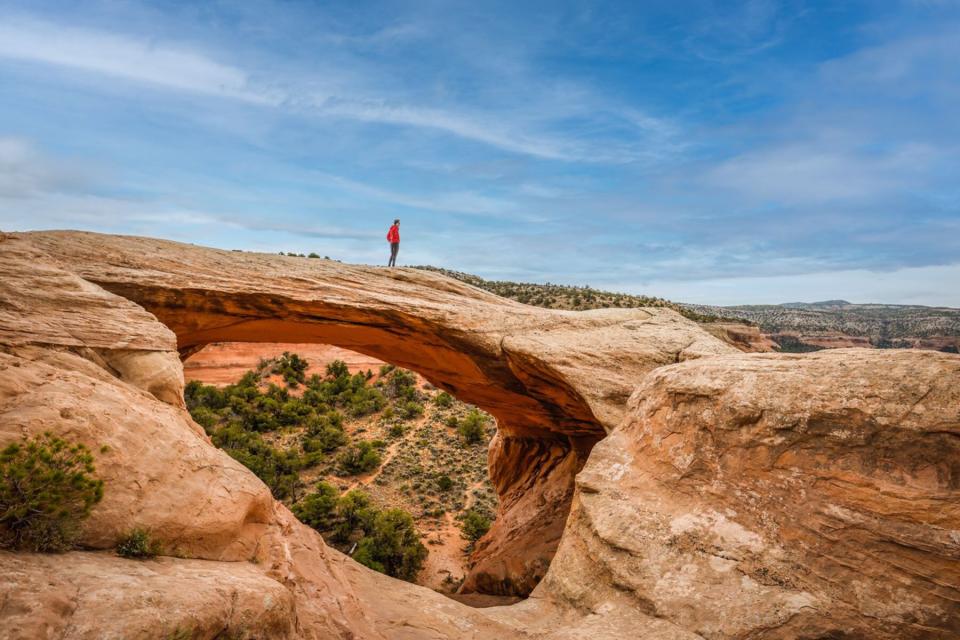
<point x="545" y="375"/>
<point x="742" y="496"/>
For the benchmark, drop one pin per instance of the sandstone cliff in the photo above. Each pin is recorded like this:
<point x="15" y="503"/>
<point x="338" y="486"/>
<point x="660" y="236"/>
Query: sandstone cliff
<point x="741" y="496"/>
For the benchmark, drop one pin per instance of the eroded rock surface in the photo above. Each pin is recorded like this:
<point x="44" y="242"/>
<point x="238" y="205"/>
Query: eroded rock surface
<point x="744" y="337"/>
<point x="742" y="496"/>
<point x="545" y="375"/>
<point x="778" y="496"/>
<point x="97" y="596"/>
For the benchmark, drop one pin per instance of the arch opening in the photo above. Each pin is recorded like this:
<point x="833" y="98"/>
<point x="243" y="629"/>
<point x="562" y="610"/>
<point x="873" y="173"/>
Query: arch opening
<point x="545" y="430"/>
<point x="555" y="381"/>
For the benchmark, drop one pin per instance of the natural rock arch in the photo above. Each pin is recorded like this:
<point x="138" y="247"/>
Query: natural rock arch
<point x="742" y="495"/>
<point x="545" y="375"/>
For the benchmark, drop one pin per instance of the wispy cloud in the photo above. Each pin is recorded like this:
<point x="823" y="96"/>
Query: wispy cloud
<point x="642" y="143"/>
<point x="107" y="53"/>
<point x="445" y="202"/>
<point x="812" y="174"/>
<point x="25" y="171"/>
<point x="179" y="67"/>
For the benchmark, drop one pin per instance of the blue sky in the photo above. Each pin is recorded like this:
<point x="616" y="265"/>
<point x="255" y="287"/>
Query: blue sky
<point x="717" y="152"/>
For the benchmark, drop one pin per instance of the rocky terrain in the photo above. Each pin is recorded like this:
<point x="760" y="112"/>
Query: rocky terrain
<point x="576" y="298"/>
<point x="830" y="324"/>
<point x="653" y="481"/>
<point x="790" y="327"/>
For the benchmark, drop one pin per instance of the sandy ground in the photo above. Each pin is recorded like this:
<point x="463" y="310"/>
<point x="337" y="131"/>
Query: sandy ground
<point x="224" y="363"/>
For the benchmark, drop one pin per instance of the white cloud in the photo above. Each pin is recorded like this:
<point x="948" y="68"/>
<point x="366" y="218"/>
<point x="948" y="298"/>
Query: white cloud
<point x="820" y="171"/>
<point x="458" y="125"/>
<point x="179" y="67"/>
<point x="449" y="202"/>
<point x="125" y="57"/>
<point x="25" y="171"/>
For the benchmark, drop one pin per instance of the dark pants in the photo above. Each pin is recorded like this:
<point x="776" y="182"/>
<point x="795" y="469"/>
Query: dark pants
<point x="394" y="247"/>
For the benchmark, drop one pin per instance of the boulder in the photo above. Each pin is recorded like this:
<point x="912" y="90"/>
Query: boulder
<point x="777" y="496"/>
<point x="98" y="596"/>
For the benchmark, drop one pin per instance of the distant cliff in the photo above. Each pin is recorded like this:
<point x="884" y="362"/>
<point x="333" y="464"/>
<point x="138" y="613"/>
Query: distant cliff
<point x="840" y="323"/>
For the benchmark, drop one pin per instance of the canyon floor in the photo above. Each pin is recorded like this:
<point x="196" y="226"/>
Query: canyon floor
<point x="426" y="450"/>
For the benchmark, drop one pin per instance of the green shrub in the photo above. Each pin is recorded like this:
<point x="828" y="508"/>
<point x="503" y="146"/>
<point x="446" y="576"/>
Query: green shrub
<point x="137" y="544"/>
<point x="443" y="400"/>
<point x="205" y="417"/>
<point x="444" y="483"/>
<point x="401" y="384"/>
<point x="392" y="546"/>
<point x="472" y="428"/>
<point x="365" y="401"/>
<point x="196" y="394"/>
<point x="337" y="369"/>
<point x="317" y="508"/>
<point x="277" y="468"/>
<point x="474" y="525"/>
<point x="410" y="409"/>
<point x="47" y="488"/>
<point x="324" y="433"/>
<point x="354" y="512"/>
<point x="292" y="367"/>
<point x="359" y="457"/>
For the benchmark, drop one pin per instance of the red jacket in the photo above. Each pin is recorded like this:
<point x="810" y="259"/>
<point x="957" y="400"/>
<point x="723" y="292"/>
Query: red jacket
<point x="394" y="234"/>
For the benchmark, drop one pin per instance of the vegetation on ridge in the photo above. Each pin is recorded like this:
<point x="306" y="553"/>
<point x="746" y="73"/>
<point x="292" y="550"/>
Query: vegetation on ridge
<point x="577" y="298"/>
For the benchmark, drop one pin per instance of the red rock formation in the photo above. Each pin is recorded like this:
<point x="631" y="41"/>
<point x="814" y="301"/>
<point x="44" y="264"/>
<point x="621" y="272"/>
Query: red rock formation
<point x="744" y="337"/>
<point x="777" y="496"/>
<point x="742" y="496"/>
<point x="224" y="363"/>
<point x="543" y="374"/>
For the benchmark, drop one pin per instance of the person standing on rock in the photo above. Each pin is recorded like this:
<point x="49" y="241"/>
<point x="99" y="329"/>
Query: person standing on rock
<point x="393" y="237"/>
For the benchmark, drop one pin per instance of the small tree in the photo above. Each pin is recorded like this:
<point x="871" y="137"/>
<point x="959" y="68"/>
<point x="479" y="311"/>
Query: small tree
<point x="410" y="409"/>
<point x="358" y="458"/>
<point x="324" y="433"/>
<point x="354" y="512"/>
<point x="471" y="428"/>
<point x="443" y="400"/>
<point x="292" y="367"/>
<point x="337" y="369"/>
<point x="317" y="508"/>
<point x="475" y="525"/>
<point x="47" y="489"/>
<point x="401" y="384"/>
<point x="393" y="546"/>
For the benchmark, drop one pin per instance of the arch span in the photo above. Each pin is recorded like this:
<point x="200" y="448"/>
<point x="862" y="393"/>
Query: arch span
<point x="556" y="381"/>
